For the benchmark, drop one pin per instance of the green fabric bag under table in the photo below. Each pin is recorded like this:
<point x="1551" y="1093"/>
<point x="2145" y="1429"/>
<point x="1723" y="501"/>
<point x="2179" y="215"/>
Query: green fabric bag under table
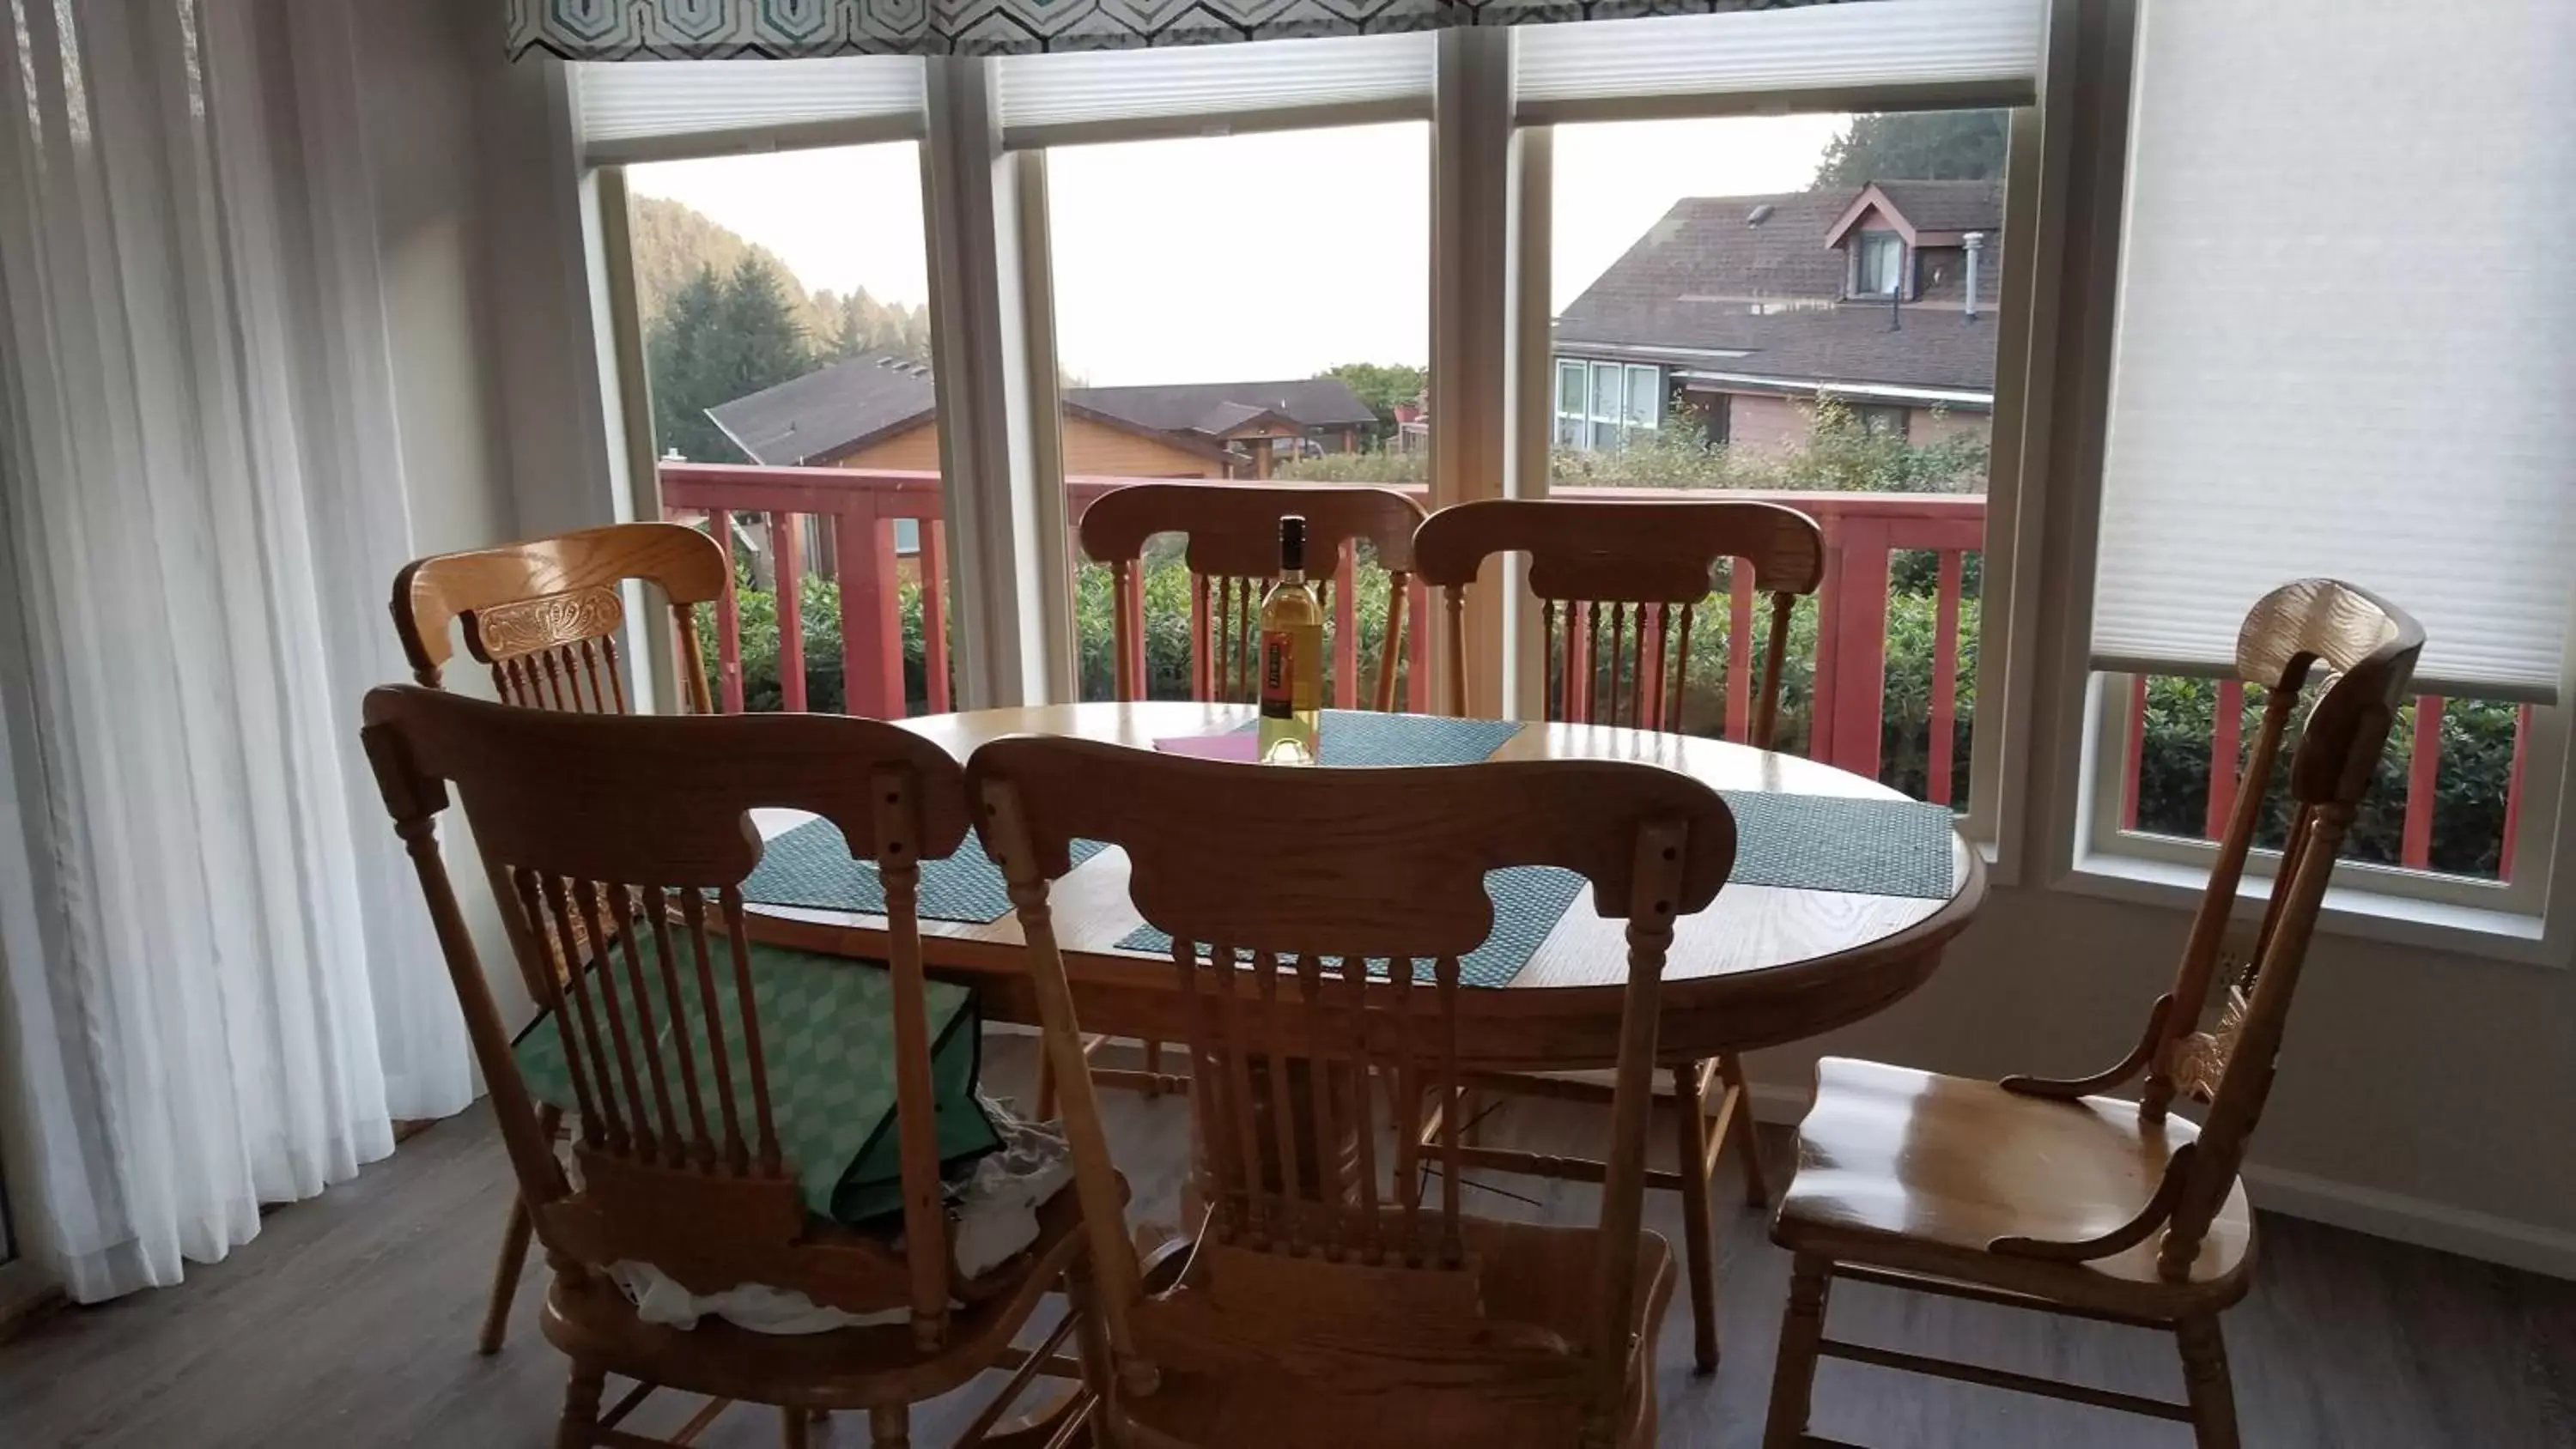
<point x="827" y="1036"/>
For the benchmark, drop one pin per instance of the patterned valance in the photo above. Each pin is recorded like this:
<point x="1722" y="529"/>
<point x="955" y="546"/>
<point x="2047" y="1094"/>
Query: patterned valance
<point x="783" y="29"/>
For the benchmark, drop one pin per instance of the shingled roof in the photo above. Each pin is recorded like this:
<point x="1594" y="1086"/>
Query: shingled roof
<point x="1763" y="298"/>
<point x="835" y="411"/>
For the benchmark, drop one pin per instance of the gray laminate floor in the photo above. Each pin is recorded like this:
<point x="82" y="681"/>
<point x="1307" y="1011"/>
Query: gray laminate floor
<point x="351" y="1322"/>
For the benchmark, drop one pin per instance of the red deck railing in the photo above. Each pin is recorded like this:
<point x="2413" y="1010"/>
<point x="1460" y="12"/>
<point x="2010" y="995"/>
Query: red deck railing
<point x="1863" y="534"/>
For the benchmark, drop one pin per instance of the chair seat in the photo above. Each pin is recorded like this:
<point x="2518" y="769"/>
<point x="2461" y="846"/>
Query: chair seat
<point x="847" y="1368"/>
<point x="1921" y="1172"/>
<point x="1534" y="1277"/>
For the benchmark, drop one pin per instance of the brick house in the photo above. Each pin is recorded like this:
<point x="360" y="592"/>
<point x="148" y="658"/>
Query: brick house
<point x="1740" y="309"/>
<point x="878" y="411"/>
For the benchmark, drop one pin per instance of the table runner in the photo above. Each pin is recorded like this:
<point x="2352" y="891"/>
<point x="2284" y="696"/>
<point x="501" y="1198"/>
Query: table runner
<point x="810" y="866"/>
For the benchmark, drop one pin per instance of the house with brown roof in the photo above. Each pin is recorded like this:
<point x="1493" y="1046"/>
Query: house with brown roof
<point x="878" y="411"/>
<point x="1742" y="310"/>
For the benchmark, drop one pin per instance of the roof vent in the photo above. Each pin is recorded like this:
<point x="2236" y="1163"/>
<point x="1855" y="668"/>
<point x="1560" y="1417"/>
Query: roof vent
<point x="1759" y="214"/>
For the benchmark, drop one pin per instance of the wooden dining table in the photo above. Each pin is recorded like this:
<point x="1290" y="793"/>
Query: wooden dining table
<point x="1762" y="966"/>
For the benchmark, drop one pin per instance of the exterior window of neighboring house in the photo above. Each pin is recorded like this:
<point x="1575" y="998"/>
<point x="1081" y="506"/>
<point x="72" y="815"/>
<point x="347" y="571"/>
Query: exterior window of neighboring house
<point x="1878" y="263"/>
<point x="1599" y="405"/>
<point x="1881" y="420"/>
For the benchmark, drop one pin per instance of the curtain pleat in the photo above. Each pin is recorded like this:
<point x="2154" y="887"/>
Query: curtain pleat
<point x="209" y="966"/>
<point x="794" y="29"/>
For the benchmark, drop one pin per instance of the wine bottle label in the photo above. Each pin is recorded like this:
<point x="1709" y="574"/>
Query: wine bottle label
<point x="1279" y="673"/>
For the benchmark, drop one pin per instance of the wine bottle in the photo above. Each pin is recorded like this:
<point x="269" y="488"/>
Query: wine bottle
<point x="1292" y="656"/>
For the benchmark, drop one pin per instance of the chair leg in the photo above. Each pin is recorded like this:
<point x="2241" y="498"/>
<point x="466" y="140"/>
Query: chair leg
<point x="1153" y="1069"/>
<point x="2206" y="1382"/>
<point x="1802" y="1332"/>
<point x="1740" y="1130"/>
<point x="1046" y="1088"/>
<point x="796" y="1427"/>
<point x="890" y="1426"/>
<point x="581" y="1407"/>
<point x="1699" y="1230"/>
<point x="515" y="1234"/>
<point x="505" y="1277"/>
<point x="1090" y="1334"/>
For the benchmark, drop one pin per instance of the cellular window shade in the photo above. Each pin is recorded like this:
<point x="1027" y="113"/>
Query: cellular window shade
<point x="1115" y="95"/>
<point x="1948" y="52"/>
<point x="664" y="110"/>
<point x="2347" y="333"/>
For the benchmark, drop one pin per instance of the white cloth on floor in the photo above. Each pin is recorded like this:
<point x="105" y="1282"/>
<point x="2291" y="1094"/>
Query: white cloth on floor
<point x="993" y="1215"/>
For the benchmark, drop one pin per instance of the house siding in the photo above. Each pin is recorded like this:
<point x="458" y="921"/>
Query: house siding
<point x="1764" y="423"/>
<point x="1089" y="448"/>
<point x="1767" y="423"/>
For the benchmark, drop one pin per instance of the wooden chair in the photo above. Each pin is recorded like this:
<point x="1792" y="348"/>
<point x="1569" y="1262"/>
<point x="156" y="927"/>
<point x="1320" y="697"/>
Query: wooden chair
<point x="1233" y="557"/>
<point x="545" y="617"/>
<point x="2041" y="1194"/>
<point x="1620" y="586"/>
<point x="638" y="829"/>
<point x="1329" y="1303"/>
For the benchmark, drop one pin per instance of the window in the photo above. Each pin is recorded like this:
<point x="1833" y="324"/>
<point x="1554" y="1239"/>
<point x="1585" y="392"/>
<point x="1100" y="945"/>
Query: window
<point x="1601" y="405"/>
<point x="1251" y="339"/>
<point x="1878" y="262"/>
<point x="2239" y="452"/>
<point x="771" y="241"/>
<point x="1722" y="253"/>
<point x="1878" y="420"/>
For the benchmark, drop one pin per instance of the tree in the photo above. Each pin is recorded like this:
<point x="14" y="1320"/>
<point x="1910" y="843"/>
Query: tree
<point x="1917" y="146"/>
<point x="859" y="323"/>
<point x="1382" y="386"/>
<point x="678" y="359"/>
<point x="763" y="342"/>
<point x="717" y="340"/>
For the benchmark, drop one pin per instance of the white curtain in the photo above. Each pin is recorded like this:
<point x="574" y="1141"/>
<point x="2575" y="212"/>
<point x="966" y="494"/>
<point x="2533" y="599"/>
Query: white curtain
<point x="215" y="984"/>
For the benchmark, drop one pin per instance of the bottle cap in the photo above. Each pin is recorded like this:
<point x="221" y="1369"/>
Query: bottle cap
<point x="1292" y="543"/>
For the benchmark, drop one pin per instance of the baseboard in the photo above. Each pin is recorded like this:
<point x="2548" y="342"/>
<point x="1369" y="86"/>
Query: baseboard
<point x="2391" y="1215"/>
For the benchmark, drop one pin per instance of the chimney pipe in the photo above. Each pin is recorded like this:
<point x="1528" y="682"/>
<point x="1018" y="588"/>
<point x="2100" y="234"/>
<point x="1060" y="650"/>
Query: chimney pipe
<point x="1975" y="242"/>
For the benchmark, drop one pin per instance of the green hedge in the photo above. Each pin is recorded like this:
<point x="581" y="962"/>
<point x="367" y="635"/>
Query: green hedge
<point x="2469" y="803"/>
<point x="2477" y="737"/>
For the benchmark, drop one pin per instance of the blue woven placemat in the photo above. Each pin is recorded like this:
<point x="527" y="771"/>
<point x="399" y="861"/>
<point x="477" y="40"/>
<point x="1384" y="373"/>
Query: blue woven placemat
<point x="1842" y="843"/>
<point x="810" y="866"/>
<point x="1528" y="899"/>
<point x="1358" y="737"/>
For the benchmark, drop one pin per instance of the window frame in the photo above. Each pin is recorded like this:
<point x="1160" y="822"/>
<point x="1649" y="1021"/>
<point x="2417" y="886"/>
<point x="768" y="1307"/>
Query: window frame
<point x="1863" y="244"/>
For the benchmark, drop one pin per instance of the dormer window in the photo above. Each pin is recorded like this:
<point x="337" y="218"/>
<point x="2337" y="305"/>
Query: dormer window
<point x="1878" y="263"/>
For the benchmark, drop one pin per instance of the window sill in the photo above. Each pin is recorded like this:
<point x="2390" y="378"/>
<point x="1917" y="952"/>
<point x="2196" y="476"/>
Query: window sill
<point x="2499" y="935"/>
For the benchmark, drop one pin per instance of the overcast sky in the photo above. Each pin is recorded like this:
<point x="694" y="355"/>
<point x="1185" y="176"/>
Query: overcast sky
<point x="1237" y="258"/>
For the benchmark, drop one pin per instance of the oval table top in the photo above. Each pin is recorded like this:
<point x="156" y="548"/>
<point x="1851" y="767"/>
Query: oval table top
<point x="1761" y="966"/>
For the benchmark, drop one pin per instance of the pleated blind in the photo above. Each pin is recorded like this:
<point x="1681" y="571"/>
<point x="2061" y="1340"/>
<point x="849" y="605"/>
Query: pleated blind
<point x="1948" y="52"/>
<point x="1116" y="95"/>
<point x="2347" y="332"/>
<point x="663" y="110"/>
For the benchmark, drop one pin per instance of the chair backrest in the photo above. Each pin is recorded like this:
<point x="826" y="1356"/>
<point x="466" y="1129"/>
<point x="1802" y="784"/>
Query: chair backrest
<point x="2368" y="648"/>
<point x="632" y="834"/>
<point x="545" y="615"/>
<point x="1233" y="555"/>
<point x="1290" y="1033"/>
<point x="1619" y="587"/>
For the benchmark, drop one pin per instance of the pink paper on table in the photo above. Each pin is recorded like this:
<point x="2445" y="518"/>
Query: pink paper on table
<point x="1243" y="745"/>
